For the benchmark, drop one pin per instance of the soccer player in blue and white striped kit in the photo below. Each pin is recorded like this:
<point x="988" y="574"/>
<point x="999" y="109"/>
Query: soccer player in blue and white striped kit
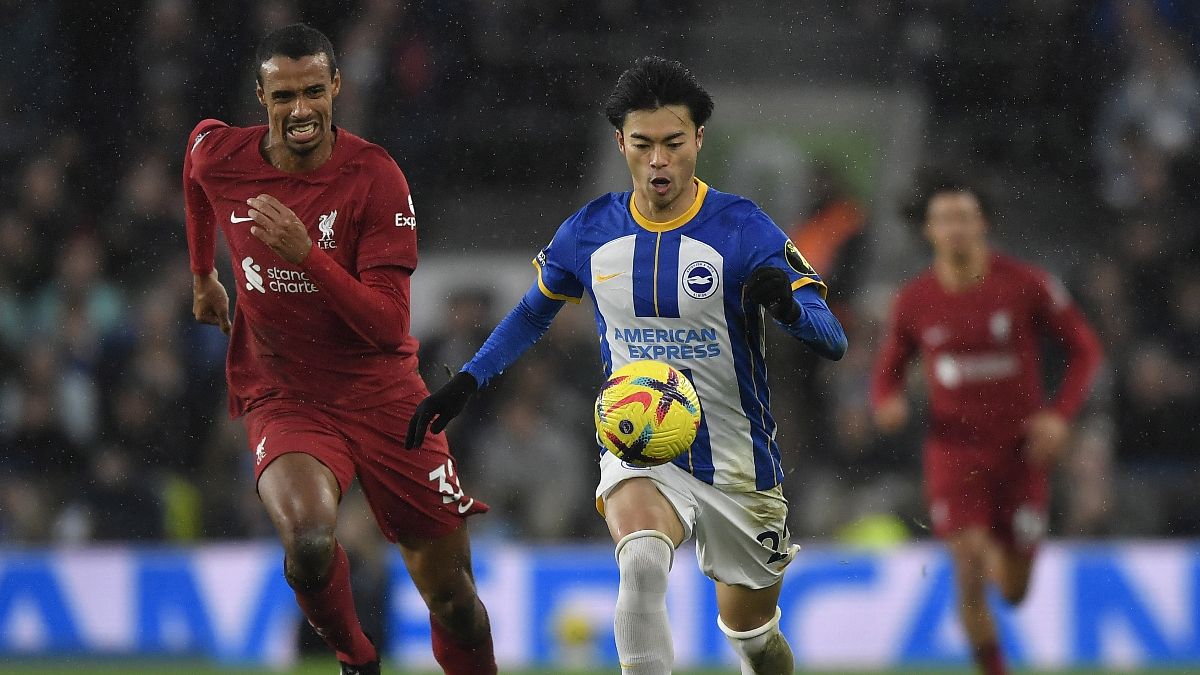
<point x="682" y="273"/>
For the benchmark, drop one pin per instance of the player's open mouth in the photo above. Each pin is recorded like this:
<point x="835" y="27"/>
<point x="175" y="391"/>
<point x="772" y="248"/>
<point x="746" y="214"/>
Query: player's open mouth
<point x="660" y="185"/>
<point x="302" y="133"/>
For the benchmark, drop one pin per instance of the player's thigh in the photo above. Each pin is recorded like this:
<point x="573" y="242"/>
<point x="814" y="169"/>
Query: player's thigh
<point x="1021" y="512"/>
<point x="744" y="609"/>
<point x="637" y="504"/>
<point x="634" y="498"/>
<point x="742" y="538"/>
<point x="301" y="468"/>
<point x="960" y="489"/>
<point x="973" y="550"/>
<point x="1022" y="527"/>
<point x="441" y="570"/>
<point x="299" y="493"/>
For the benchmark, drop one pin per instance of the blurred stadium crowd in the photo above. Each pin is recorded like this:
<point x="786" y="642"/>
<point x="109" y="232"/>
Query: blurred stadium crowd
<point x="1081" y="123"/>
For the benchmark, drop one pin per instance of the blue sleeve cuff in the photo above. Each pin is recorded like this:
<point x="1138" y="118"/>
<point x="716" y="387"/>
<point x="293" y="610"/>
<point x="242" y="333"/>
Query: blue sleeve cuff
<point x="524" y="325"/>
<point x="816" y="326"/>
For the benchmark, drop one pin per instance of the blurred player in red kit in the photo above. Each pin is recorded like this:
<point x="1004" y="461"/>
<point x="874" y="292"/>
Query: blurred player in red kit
<point x="323" y="233"/>
<point x="976" y="318"/>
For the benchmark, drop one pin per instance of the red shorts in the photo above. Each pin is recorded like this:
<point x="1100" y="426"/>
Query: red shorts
<point x="968" y="487"/>
<point x="413" y="493"/>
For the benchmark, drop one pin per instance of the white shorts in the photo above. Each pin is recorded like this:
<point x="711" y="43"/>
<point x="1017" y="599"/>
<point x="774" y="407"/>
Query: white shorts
<point x="741" y="537"/>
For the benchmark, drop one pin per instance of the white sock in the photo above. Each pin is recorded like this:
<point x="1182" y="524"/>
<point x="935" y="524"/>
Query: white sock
<point x="642" y="633"/>
<point x="763" y="650"/>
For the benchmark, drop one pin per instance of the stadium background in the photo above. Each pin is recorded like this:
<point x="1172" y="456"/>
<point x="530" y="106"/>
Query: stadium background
<point x="1078" y="119"/>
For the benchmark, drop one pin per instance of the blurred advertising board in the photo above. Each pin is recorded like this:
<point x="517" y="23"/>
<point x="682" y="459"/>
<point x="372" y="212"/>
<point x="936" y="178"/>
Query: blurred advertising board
<point x="1120" y="604"/>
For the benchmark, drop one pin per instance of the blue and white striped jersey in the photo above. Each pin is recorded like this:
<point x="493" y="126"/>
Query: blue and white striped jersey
<point x="673" y="292"/>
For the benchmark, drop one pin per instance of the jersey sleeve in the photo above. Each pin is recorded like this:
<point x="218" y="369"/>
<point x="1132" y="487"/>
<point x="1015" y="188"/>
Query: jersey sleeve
<point x="524" y="325"/>
<point x="389" y="227"/>
<point x="558" y="264"/>
<point x="763" y="243"/>
<point x="899" y="346"/>
<point x="1061" y="319"/>
<point x="375" y="306"/>
<point x="200" y="223"/>
<point x="816" y="326"/>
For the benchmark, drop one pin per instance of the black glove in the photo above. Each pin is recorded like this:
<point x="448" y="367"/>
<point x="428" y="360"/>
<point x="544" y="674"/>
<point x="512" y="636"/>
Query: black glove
<point x="770" y="287"/>
<point x="440" y="407"/>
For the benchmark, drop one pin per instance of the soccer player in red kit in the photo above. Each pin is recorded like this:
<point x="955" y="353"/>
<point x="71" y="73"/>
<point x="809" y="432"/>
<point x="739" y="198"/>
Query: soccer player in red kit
<point x="321" y="365"/>
<point x="976" y="319"/>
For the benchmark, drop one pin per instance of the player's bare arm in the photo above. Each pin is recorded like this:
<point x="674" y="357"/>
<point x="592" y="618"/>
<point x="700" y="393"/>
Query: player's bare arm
<point x="278" y="227"/>
<point x="210" y="302"/>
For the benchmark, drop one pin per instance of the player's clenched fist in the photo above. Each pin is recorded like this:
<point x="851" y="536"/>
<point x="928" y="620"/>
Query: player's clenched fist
<point x="210" y="302"/>
<point x="278" y="227"/>
<point x="770" y="287"/>
<point x="1046" y="437"/>
<point x="892" y="415"/>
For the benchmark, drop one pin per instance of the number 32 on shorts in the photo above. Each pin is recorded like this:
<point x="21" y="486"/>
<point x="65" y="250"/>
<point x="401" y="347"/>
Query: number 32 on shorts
<point x="447" y="484"/>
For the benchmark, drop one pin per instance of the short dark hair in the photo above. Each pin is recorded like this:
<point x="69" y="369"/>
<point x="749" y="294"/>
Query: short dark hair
<point x="653" y="82"/>
<point x="294" y="41"/>
<point x="948" y="185"/>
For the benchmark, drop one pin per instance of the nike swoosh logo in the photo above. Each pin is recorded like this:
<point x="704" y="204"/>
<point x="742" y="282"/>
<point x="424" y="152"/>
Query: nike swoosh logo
<point x="601" y="278"/>
<point x="199" y="137"/>
<point x="235" y="219"/>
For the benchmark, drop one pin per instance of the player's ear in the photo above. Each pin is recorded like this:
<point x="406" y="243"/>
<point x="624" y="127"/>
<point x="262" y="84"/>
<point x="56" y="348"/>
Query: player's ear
<point x="699" y="137"/>
<point x="620" y="140"/>
<point x="262" y="95"/>
<point x="337" y="83"/>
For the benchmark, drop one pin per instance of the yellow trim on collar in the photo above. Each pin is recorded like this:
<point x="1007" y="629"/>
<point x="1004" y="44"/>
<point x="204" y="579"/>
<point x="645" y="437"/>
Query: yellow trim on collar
<point x="547" y="292"/>
<point x="804" y="281"/>
<point x="680" y="221"/>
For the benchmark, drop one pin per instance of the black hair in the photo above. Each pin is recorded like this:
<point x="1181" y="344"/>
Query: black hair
<point x="941" y="185"/>
<point x="294" y="41"/>
<point x="653" y="82"/>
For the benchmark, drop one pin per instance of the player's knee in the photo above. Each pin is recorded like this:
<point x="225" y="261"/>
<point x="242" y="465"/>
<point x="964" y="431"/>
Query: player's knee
<point x="309" y="551"/>
<point x="454" y="605"/>
<point x="971" y="563"/>
<point x="644" y="559"/>
<point x="969" y="552"/>
<point x="1013" y="594"/>
<point x="970" y="569"/>
<point x="1014" y="590"/>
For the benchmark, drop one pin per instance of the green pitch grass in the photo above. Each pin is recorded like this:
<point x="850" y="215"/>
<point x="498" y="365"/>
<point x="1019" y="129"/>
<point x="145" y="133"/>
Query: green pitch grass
<point x="327" y="667"/>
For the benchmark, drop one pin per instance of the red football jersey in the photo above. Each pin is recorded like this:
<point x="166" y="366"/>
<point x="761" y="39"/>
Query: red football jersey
<point x="981" y="352"/>
<point x="287" y="339"/>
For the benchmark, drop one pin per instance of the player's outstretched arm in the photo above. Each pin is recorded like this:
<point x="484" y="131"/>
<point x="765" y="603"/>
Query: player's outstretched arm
<point x="802" y="313"/>
<point x="524" y="325"/>
<point x="443" y="405"/>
